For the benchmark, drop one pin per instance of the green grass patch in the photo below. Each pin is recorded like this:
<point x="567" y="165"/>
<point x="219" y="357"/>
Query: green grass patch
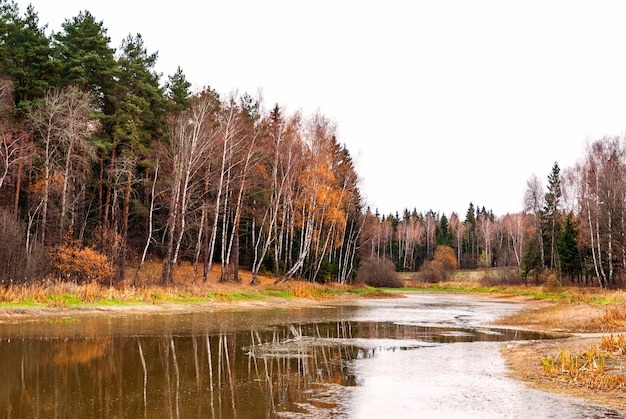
<point x="109" y="303"/>
<point x="234" y="296"/>
<point x="606" y="300"/>
<point x="278" y="293"/>
<point x="71" y="300"/>
<point x="363" y="290"/>
<point x="243" y="295"/>
<point x="20" y="304"/>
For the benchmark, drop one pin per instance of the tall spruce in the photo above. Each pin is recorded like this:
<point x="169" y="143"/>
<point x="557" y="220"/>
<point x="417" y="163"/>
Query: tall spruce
<point x="567" y="249"/>
<point x="551" y="211"/>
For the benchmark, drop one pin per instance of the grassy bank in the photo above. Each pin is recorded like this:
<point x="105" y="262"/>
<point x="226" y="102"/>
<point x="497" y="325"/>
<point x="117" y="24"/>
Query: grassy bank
<point x="592" y="359"/>
<point x="184" y="291"/>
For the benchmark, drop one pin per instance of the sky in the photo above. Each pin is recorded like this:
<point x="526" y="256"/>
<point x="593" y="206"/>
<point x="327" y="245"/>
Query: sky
<point x="440" y="103"/>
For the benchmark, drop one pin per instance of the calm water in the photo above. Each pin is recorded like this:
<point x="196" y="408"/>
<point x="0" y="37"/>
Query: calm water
<point x="419" y="356"/>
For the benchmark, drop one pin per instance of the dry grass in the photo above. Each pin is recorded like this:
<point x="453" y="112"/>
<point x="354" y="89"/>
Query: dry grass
<point x="599" y="367"/>
<point x="184" y="290"/>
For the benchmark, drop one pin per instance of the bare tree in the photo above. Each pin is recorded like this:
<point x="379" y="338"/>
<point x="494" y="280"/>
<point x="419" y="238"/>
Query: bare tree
<point x="602" y="201"/>
<point x="62" y="127"/>
<point x="10" y="144"/>
<point x="150" y="221"/>
<point x="191" y="140"/>
<point x="457" y="227"/>
<point x="533" y="204"/>
<point x="486" y="232"/>
<point x="515" y="227"/>
<point x="284" y="142"/>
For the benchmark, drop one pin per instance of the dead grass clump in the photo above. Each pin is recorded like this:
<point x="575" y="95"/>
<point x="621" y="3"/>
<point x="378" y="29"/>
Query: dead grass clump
<point x="612" y="319"/>
<point x="545" y="317"/>
<point x="591" y="368"/>
<point x="615" y="315"/>
<point x="301" y="289"/>
<point x="616" y="344"/>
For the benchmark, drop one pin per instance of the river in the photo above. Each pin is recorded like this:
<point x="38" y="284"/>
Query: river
<point x="421" y="355"/>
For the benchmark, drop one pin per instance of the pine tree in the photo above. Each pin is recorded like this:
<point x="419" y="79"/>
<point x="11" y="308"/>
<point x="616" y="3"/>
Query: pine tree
<point x="471" y="243"/>
<point x="25" y="57"/>
<point x="85" y="58"/>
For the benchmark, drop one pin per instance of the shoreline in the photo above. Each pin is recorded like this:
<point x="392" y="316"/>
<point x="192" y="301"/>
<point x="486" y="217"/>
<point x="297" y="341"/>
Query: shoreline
<point x="523" y="359"/>
<point x="267" y="303"/>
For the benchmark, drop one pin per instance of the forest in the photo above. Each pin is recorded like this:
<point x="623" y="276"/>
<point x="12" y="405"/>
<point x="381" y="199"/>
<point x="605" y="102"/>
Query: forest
<point x="105" y="164"/>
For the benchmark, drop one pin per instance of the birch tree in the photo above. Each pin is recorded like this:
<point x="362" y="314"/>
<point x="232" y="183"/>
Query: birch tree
<point x="10" y="143"/>
<point x="191" y="140"/>
<point x="61" y="126"/>
<point x="284" y="142"/>
<point x="602" y="202"/>
<point x="457" y="228"/>
<point x="533" y="204"/>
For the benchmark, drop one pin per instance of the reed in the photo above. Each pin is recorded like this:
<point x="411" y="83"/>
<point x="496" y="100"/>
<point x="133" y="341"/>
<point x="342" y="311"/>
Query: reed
<point x="589" y="368"/>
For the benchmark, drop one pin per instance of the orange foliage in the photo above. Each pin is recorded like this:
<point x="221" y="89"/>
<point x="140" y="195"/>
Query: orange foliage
<point x="445" y="258"/>
<point x="443" y="263"/>
<point x="81" y="264"/>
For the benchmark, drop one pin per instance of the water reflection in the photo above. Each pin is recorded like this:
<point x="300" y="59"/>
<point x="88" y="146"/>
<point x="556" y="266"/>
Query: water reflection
<point x="223" y="374"/>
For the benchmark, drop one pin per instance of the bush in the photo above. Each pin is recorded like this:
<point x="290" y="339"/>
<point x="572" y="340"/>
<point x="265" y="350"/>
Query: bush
<point x="81" y="264"/>
<point x="440" y="268"/>
<point x="430" y="272"/>
<point x="553" y="284"/>
<point x="377" y="272"/>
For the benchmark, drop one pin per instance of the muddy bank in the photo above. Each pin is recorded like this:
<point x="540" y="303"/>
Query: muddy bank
<point x="524" y="358"/>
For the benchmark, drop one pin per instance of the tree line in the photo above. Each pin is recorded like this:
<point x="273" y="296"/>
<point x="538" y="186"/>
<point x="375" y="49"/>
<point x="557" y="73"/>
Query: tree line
<point x="573" y="227"/>
<point x="96" y="152"/>
<point x="100" y="154"/>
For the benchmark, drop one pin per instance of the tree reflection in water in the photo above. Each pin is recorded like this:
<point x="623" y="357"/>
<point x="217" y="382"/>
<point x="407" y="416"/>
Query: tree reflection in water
<point x="299" y="368"/>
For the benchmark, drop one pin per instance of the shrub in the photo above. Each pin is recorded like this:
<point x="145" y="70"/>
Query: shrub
<point x="430" y="272"/>
<point x="107" y="242"/>
<point x="377" y="272"/>
<point x="553" y="284"/>
<point x="440" y="268"/>
<point x="81" y="264"/>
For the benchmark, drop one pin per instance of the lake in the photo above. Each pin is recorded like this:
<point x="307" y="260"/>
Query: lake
<point x="421" y="355"/>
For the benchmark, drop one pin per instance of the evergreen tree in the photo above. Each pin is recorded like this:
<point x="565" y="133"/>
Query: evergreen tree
<point x="177" y="91"/>
<point x="25" y="56"/>
<point x="85" y="58"/>
<point x="567" y="248"/>
<point x="471" y="240"/>
<point x="138" y="99"/>
<point x="551" y="211"/>
<point x="139" y="106"/>
<point x="443" y="233"/>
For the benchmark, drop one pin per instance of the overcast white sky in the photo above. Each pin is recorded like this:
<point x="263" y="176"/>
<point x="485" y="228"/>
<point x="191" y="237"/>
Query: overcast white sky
<point x="441" y="103"/>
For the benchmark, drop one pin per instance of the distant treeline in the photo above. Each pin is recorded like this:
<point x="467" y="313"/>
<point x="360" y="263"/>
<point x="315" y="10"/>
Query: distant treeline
<point x="104" y="163"/>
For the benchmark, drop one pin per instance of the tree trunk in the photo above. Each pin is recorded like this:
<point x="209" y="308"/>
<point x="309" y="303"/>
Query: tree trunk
<point x="150" y="224"/>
